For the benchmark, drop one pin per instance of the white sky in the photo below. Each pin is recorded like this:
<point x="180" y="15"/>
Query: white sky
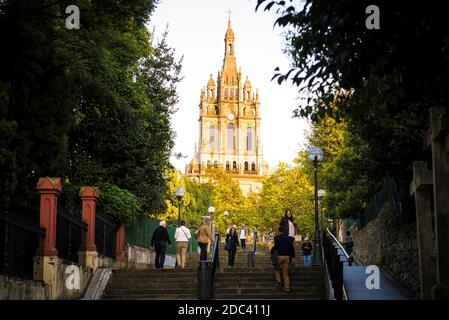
<point x="196" y="30"/>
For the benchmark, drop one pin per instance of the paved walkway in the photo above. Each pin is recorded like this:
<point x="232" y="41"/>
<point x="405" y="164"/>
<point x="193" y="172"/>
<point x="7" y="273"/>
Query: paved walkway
<point x="354" y="278"/>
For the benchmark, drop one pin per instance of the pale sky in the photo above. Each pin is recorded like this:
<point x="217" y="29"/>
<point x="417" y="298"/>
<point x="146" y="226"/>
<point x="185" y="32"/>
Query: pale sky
<point x="196" y="30"/>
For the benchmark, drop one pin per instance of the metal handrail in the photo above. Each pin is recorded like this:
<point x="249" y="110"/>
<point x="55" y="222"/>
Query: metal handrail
<point x="255" y="242"/>
<point x="215" y="256"/>
<point x="334" y="267"/>
<point x="207" y="272"/>
<point x="342" y="248"/>
<point x="338" y="243"/>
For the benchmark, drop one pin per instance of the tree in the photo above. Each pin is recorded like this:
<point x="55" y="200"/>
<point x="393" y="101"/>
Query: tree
<point x="93" y="105"/>
<point x="390" y="78"/>
<point x="287" y="188"/>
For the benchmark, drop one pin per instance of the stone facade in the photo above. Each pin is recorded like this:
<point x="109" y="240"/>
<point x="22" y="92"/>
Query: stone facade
<point x="229" y="126"/>
<point x="392" y="247"/>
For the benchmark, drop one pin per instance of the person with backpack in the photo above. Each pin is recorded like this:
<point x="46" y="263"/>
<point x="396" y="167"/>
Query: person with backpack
<point x="306" y="252"/>
<point x="203" y="236"/>
<point x="290" y="231"/>
<point x="281" y="253"/>
<point x="232" y="242"/>
<point x="182" y="237"/>
<point x="159" y="242"/>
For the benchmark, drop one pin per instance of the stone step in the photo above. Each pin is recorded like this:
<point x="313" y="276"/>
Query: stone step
<point x="248" y="275"/>
<point x="154" y="271"/>
<point x="146" y="284"/>
<point x="161" y="291"/>
<point x="151" y="297"/>
<point x="274" y="290"/>
<point x="279" y="296"/>
<point x="267" y="284"/>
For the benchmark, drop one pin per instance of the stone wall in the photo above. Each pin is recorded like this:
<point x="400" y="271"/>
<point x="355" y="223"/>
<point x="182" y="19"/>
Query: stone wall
<point x="391" y="246"/>
<point x="143" y="258"/>
<point x="21" y="289"/>
<point x="63" y="290"/>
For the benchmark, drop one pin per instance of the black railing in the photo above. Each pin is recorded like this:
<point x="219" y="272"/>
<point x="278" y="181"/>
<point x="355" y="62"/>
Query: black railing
<point x="215" y="257"/>
<point x="105" y="233"/>
<point x="70" y="234"/>
<point x="334" y="265"/>
<point x="207" y="271"/>
<point x="19" y="240"/>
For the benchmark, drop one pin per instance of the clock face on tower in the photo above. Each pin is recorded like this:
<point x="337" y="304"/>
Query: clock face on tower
<point x="230" y="117"/>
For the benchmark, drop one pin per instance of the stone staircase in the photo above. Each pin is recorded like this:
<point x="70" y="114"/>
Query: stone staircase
<point x="238" y="283"/>
<point x="153" y="284"/>
<point x="241" y="282"/>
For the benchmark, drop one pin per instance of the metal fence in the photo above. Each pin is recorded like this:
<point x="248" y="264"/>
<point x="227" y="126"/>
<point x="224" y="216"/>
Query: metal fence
<point x="388" y="194"/>
<point x="141" y="231"/>
<point x="70" y="233"/>
<point x="19" y="240"/>
<point x="105" y="234"/>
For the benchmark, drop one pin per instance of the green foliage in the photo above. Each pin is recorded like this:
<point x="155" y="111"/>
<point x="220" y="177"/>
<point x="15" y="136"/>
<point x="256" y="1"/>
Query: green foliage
<point x="92" y="104"/>
<point x="287" y="188"/>
<point x="120" y="204"/>
<point x="8" y="178"/>
<point x="381" y="83"/>
<point x="331" y="47"/>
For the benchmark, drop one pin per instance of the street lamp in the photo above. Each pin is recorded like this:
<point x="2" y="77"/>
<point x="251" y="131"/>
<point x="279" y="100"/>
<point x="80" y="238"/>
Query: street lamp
<point x="315" y="154"/>
<point x="321" y="195"/>
<point x="211" y="211"/>
<point x="179" y="193"/>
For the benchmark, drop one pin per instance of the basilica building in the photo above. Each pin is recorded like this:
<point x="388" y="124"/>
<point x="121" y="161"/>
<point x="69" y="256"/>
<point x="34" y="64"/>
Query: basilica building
<point x="229" y="126"/>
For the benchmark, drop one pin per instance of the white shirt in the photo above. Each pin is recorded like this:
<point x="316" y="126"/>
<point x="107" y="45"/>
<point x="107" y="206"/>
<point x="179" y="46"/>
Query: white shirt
<point x="182" y="234"/>
<point x="291" y="229"/>
<point x="242" y="234"/>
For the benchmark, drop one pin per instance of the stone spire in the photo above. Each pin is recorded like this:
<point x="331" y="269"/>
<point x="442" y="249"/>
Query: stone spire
<point x="229" y="70"/>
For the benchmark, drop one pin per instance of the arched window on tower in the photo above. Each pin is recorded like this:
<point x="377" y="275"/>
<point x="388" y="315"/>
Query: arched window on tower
<point x="216" y="165"/>
<point x="229" y="48"/>
<point x="212" y="137"/>
<point x="249" y="139"/>
<point x="231" y="137"/>
<point x="208" y="164"/>
<point x="211" y="93"/>
<point x="236" y="93"/>
<point x="246" y="166"/>
<point x="253" y="166"/>
<point x="234" y="165"/>
<point x="227" y="165"/>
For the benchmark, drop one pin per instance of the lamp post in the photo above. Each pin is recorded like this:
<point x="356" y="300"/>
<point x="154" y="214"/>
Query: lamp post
<point x="321" y="195"/>
<point x="179" y="193"/>
<point x="315" y="154"/>
<point x="211" y="211"/>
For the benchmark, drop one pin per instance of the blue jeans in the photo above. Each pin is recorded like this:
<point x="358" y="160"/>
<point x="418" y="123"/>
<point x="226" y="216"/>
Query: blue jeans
<point x="308" y="261"/>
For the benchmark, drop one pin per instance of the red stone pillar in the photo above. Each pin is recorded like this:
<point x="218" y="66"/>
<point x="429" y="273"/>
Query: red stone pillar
<point x="120" y="244"/>
<point x="89" y="196"/>
<point x="49" y="188"/>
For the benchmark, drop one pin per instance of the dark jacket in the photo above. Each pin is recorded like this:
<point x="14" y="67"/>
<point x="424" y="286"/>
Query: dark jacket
<point x="234" y="241"/>
<point x="283" y="245"/>
<point x="306" y="248"/>
<point x="284" y="222"/>
<point x="160" y="234"/>
<point x="348" y="243"/>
